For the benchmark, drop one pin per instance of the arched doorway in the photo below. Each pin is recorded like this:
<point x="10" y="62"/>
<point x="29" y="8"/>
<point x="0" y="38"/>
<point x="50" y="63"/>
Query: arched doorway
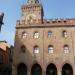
<point x="22" y="69"/>
<point x="51" y="69"/>
<point x="36" y="69"/>
<point x="67" y="69"/>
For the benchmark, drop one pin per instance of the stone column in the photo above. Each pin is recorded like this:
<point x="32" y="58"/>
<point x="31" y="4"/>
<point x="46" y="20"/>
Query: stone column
<point x="14" y="70"/>
<point x="44" y="73"/>
<point x="28" y="73"/>
<point x="74" y="70"/>
<point x="59" y="72"/>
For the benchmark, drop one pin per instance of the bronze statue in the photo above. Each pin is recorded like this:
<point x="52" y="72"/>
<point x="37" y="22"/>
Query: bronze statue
<point x="1" y="18"/>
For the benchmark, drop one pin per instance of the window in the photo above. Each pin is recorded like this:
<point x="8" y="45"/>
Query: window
<point x="36" y="35"/>
<point x="49" y="34"/>
<point x="36" y="49"/>
<point x="66" y="49"/>
<point x="64" y="34"/>
<point x="24" y="35"/>
<point x="23" y="49"/>
<point x="50" y="49"/>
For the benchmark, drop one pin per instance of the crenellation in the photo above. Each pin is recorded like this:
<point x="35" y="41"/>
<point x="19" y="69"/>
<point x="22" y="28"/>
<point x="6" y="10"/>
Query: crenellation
<point x="30" y="7"/>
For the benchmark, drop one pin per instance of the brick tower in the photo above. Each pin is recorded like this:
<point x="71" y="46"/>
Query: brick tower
<point x="32" y="11"/>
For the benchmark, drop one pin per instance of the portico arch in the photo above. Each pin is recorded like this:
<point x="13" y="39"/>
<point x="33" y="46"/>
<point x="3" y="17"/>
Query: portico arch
<point x="21" y="69"/>
<point x="36" y="69"/>
<point x="51" y="69"/>
<point x="67" y="69"/>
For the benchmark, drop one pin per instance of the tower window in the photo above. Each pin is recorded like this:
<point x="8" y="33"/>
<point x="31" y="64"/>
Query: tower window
<point x="50" y="49"/>
<point x="49" y="34"/>
<point x="36" y="35"/>
<point x="23" y="49"/>
<point x="66" y="49"/>
<point x="64" y="34"/>
<point x="36" y="49"/>
<point x="24" y="35"/>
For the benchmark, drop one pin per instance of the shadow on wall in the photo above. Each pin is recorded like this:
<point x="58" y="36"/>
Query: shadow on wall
<point x="24" y="58"/>
<point x="27" y="63"/>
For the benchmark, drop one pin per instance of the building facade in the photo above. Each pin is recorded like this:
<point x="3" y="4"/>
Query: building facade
<point x="5" y="58"/>
<point x="43" y="47"/>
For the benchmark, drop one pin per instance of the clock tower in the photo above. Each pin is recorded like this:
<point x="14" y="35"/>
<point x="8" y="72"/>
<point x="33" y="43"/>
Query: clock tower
<point x="32" y="12"/>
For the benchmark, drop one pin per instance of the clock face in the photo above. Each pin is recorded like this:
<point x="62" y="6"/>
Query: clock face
<point x="30" y="18"/>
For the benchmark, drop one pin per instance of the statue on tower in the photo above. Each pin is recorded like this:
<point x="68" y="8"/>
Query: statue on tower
<point x="1" y="19"/>
<point x="33" y="1"/>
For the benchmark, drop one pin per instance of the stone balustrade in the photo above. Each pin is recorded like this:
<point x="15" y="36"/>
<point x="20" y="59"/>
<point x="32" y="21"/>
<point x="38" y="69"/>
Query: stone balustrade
<point x="50" y="22"/>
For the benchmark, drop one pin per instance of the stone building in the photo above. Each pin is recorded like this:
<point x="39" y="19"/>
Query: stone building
<point x="1" y="19"/>
<point x="5" y="58"/>
<point x="43" y="47"/>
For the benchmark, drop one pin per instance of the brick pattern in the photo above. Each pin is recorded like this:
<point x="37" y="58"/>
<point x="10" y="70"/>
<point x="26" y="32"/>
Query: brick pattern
<point x="56" y="26"/>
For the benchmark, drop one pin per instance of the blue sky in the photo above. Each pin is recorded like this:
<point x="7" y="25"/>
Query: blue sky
<point x="12" y="11"/>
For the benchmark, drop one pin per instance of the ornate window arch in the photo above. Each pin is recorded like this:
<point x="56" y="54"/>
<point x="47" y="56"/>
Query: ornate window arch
<point x="49" y="34"/>
<point x="50" y="49"/>
<point x="66" y="49"/>
<point x="64" y="34"/>
<point x="24" y="35"/>
<point x="36" y="34"/>
<point x="23" y="48"/>
<point x="36" y="49"/>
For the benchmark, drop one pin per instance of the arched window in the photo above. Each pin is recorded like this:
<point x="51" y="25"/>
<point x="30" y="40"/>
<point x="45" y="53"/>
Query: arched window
<point x="36" y="35"/>
<point x="66" y="49"/>
<point x="36" y="49"/>
<point x="23" y="49"/>
<point x="49" y="34"/>
<point x="64" y="34"/>
<point x="50" y="49"/>
<point x="24" y="35"/>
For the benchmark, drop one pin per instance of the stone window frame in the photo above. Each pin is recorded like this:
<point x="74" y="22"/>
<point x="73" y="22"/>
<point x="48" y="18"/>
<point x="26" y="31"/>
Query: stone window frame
<point x="36" y="49"/>
<point x="36" y="35"/>
<point x="50" y="49"/>
<point x="24" y="35"/>
<point x="65" y="34"/>
<point x="23" y="49"/>
<point x="50" y="33"/>
<point x="66" y="49"/>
